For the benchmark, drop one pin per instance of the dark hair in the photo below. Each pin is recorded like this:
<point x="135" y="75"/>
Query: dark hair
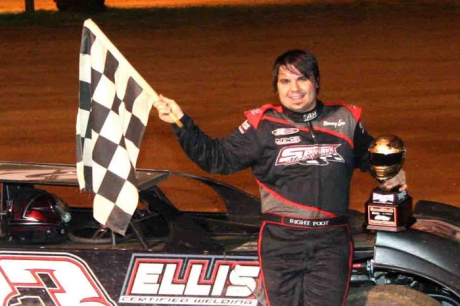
<point x="303" y="61"/>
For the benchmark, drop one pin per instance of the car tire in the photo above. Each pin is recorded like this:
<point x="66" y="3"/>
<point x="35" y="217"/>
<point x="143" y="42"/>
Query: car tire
<point x="95" y="234"/>
<point x="389" y="295"/>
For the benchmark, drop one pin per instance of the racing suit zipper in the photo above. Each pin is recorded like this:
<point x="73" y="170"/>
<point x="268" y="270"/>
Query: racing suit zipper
<point x="312" y="132"/>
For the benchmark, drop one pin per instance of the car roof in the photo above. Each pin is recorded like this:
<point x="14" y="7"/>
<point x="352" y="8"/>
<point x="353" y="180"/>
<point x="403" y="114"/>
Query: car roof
<point x="62" y="174"/>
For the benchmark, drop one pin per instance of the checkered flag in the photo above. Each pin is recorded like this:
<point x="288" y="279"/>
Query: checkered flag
<point x="115" y="102"/>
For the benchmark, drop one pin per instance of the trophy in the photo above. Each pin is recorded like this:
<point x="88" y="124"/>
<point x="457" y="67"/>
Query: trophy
<point x="387" y="210"/>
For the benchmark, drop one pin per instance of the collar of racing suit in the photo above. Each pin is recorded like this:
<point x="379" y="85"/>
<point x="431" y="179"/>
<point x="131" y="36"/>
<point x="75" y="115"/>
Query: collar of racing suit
<point x="306" y="116"/>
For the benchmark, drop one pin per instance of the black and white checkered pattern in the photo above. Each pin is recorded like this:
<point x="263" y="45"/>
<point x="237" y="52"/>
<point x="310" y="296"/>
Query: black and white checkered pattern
<point x="115" y="102"/>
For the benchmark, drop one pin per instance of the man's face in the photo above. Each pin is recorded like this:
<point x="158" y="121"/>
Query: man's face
<point x="296" y="92"/>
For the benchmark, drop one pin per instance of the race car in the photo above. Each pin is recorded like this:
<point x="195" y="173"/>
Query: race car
<point x="192" y="241"/>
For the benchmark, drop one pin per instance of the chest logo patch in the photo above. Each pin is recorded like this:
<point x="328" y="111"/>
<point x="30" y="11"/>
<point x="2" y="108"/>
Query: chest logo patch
<point x="287" y="140"/>
<point x="285" y="131"/>
<point x="311" y="155"/>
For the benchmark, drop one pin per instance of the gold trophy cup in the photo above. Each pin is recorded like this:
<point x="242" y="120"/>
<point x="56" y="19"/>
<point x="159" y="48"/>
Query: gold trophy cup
<point x="387" y="210"/>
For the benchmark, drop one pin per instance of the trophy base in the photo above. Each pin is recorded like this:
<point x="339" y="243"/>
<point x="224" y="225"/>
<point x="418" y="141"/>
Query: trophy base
<point x="388" y="210"/>
<point x="386" y="228"/>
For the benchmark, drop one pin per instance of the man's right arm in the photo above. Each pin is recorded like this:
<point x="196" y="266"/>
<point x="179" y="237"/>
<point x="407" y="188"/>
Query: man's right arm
<point x="221" y="155"/>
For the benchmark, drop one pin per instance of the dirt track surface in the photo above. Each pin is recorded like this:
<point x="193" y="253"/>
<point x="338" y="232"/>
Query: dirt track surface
<point x="399" y="62"/>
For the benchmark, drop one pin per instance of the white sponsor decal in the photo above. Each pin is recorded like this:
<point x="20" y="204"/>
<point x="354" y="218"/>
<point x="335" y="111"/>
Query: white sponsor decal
<point x="334" y="124"/>
<point x="244" y="127"/>
<point x="310" y="116"/>
<point x="319" y="155"/>
<point x="196" y="280"/>
<point x="48" y="279"/>
<point x="289" y="140"/>
<point x="285" y="131"/>
<point x="255" y="111"/>
<point x="308" y="222"/>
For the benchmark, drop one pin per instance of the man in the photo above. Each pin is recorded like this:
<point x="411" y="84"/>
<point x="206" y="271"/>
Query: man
<point x="302" y="154"/>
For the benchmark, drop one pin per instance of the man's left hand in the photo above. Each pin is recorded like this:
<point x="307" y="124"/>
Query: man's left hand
<point x="398" y="180"/>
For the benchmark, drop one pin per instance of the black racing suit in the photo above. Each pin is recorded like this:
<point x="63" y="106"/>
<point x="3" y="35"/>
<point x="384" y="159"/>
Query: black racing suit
<point x="303" y="164"/>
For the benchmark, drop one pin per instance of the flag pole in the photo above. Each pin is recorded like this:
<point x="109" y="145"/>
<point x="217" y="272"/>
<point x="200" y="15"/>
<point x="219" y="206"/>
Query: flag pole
<point x="176" y="120"/>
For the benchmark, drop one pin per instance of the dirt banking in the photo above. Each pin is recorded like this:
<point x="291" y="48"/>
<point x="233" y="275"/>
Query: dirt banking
<point x="399" y="62"/>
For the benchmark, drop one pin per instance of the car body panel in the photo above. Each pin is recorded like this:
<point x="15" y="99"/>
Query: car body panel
<point x="420" y="253"/>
